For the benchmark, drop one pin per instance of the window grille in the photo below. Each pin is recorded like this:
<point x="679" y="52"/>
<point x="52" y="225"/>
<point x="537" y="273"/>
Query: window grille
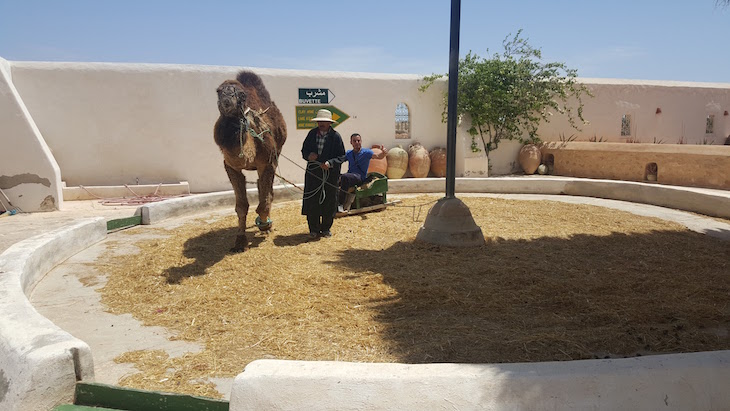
<point x="626" y="125"/>
<point x="402" y="121"/>
<point x="710" y="124"/>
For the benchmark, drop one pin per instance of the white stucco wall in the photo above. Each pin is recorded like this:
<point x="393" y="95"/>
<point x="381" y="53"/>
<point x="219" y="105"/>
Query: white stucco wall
<point x="29" y="174"/>
<point x="684" y="109"/>
<point x="126" y="123"/>
<point x="112" y="124"/>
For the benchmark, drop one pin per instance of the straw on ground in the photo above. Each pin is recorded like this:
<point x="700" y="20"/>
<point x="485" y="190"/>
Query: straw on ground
<point x="555" y="281"/>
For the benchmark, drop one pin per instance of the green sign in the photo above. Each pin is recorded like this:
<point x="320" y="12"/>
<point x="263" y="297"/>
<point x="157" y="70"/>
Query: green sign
<point x="306" y="113"/>
<point x="315" y="96"/>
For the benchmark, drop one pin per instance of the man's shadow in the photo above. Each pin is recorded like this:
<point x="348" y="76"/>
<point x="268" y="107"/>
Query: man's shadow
<point x="293" y="240"/>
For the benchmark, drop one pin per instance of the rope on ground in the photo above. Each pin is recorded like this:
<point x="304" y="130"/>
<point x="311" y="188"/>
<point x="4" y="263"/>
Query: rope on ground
<point x="414" y="207"/>
<point x="136" y="200"/>
<point x="90" y="193"/>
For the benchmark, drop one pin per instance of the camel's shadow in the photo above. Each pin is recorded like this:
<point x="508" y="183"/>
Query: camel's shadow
<point x="208" y="249"/>
<point x="211" y="247"/>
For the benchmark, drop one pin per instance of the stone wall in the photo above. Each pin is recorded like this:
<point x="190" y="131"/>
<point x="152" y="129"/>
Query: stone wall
<point x="682" y="165"/>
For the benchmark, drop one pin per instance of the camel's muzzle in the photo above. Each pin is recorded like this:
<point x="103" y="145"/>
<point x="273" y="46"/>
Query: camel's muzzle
<point x="230" y="101"/>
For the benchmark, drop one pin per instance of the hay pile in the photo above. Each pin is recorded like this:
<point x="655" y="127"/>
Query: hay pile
<point x="555" y="281"/>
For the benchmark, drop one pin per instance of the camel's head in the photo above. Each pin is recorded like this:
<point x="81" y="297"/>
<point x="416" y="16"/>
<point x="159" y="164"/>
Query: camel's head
<point x="231" y="98"/>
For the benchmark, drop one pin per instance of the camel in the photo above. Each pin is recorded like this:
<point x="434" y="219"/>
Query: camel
<point x="250" y="133"/>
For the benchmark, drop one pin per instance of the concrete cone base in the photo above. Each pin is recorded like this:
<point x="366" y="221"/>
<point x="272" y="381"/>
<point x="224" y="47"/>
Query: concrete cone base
<point x="449" y="223"/>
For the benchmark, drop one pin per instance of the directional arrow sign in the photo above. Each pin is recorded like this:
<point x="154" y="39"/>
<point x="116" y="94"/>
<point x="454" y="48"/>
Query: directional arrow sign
<point x="307" y="113"/>
<point x="315" y="96"/>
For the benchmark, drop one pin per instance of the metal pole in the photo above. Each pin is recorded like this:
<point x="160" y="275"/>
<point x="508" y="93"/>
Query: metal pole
<point x="452" y="96"/>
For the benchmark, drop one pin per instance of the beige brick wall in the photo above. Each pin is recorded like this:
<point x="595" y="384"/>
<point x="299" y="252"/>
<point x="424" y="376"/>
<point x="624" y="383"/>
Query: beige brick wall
<point x="676" y="164"/>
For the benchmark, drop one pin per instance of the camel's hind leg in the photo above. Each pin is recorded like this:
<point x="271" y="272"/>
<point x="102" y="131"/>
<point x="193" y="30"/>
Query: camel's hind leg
<point x="238" y="181"/>
<point x="266" y="196"/>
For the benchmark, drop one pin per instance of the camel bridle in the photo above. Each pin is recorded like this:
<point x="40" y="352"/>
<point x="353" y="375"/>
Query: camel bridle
<point x="230" y="92"/>
<point x="244" y="123"/>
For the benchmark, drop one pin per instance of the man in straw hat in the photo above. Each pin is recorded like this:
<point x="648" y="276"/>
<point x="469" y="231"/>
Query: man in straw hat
<point x="325" y="152"/>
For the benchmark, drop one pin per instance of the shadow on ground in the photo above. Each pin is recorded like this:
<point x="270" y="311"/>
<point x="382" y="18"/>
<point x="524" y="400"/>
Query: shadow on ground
<point x="293" y="239"/>
<point x="721" y="233"/>
<point x="551" y="298"/>
<point x="208" y="249"/>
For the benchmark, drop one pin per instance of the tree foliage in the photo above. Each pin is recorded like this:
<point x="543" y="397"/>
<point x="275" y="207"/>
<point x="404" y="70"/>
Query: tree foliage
<point x="508" y="95"/>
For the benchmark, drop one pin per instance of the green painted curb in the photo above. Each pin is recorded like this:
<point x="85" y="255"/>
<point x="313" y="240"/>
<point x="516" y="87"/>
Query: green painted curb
<point x="68" y="407"/>
<point x="120" y="223"/>
<point x="119" y="398"/>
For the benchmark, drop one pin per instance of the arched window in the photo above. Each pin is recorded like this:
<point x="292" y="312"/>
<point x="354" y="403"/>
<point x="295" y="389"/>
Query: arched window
<point x="710" y="124"/>
<point x="402" y="121"/>
<point x="651" y="172"/>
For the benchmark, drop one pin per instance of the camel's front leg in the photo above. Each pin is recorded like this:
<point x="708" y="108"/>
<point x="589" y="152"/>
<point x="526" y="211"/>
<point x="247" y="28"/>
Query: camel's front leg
<point x="266" y="196"/>
<point x="238" y="181"/>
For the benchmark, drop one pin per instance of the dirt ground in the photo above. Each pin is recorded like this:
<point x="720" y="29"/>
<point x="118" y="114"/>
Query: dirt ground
<point x="554" y="281"/>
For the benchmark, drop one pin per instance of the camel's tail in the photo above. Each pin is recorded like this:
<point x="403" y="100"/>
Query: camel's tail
<point x="250" y="79"/>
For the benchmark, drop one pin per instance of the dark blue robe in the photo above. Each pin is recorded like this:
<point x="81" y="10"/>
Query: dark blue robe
<point x="334" y="152"/>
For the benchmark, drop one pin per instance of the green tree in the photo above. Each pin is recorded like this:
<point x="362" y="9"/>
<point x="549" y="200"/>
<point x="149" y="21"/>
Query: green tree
<point x="508" y="95"/>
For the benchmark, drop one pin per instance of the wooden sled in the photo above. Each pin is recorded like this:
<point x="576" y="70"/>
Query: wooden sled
<point x="377" y="188"/>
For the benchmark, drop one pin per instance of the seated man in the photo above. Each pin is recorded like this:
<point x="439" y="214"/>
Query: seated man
<point x="358" y="161"/>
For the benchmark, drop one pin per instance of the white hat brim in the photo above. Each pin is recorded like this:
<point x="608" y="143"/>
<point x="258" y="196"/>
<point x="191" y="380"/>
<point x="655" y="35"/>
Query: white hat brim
<point x="323" y="119"/>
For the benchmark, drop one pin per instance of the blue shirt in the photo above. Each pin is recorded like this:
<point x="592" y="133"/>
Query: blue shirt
<point x="359" y="163"/>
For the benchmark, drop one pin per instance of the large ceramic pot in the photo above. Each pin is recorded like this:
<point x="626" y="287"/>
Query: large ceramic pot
<point x="438" y="161"/>
<point x="418" y="160"/>
<point x="378" y="166"/>
<point x="529" y="158"/>
<point x="397" y="162"/>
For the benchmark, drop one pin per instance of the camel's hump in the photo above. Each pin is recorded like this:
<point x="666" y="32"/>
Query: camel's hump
<point x="251" y="79"/>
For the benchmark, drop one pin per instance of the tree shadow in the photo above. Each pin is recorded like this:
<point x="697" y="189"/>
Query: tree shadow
<point x="208" y="249"/>
<point x="551" y="298"/>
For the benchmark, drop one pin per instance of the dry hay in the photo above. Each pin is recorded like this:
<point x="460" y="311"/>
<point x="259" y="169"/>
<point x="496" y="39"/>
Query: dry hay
<point x="555" y="281"/>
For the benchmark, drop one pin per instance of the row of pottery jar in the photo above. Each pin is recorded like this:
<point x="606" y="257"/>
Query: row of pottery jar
<point x="417" y="159"/>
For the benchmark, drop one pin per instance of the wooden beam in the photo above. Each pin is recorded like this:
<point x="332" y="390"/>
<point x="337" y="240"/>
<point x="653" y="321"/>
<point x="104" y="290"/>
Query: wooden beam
<point x="367" y="209"/>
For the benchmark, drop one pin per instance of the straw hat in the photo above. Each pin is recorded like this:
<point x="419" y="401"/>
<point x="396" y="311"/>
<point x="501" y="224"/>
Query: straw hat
<point x="324" y="115"/>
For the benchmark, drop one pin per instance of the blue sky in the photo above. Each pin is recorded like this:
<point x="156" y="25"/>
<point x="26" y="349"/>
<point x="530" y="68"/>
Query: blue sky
<point x="682" y="40"/>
